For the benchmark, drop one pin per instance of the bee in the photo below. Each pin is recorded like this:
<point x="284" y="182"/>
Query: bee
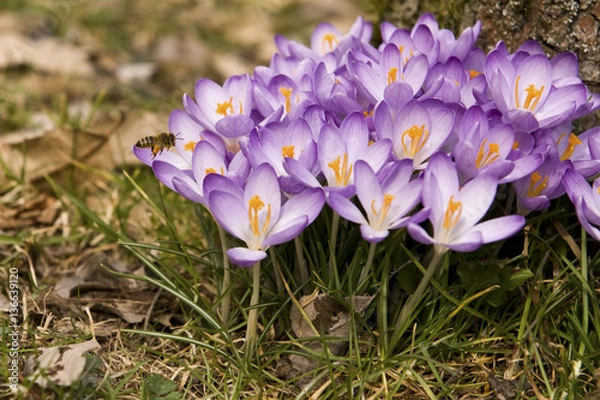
<point x="157" y="143"/>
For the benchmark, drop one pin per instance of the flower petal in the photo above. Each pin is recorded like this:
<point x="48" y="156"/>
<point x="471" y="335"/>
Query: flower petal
<point x="245" y="257"/>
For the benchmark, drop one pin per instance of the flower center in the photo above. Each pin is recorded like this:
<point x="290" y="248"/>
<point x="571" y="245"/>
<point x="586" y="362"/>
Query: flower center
<point x="413" y="139"/>
<point x="211" y="170"/>
<point x="287" y="93"/>
<point x="384" y="210"/>
<point x="453" y="212"/>
<point x="473" y="73"/>
<point x="255" y="204"/>
<point x="287" y="151"/>
<point x="328" y="42"/>
<point x="189" y="146"/>
<point x="487" y="157"/>
<point x="226" y="108"/>
<point x="536" y="184"/>
<point x="342" y="170"/>
<point x="533" y="95"/>
<point x="392" y="75"/>
<point x="573" y="142"/>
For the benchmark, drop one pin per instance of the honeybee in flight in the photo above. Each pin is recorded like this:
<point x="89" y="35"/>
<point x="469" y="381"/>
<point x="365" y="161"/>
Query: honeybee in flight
<point x="157" y="143"/>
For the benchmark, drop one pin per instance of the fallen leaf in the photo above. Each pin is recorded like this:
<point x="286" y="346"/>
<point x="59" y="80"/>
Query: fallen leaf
<point x="330" y="317"/>
<point x="63" y="365"/>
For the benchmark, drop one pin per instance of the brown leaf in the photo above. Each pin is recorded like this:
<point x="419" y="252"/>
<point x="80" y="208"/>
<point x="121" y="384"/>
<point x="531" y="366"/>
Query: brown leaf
<point x="330" y="317"/>
<point x="63" y="365"/>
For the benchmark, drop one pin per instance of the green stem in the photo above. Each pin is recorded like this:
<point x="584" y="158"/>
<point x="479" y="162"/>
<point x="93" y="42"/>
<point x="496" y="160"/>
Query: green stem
<point x="367" y="268"/>
<point x="382" y="309"/>
<point x="225" y="285"/>
<point x="275" y="265"/>
<point x="302" y="266"/>
<point x="585" y="318"/>
<point x="253" y="313"/>
<point x="333" y="276"/>
<point x="411" y="303"/>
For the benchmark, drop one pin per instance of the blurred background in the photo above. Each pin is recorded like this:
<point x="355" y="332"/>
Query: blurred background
<point x="112" y="70"/>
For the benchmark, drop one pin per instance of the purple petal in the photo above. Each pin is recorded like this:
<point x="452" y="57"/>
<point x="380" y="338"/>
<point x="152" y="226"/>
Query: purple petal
<point x="234" y="126"/>
<point x="245" y="257"/>
<point x="467" y="242"/>
<point x="230" y="213"/>
<point x="165" y="172"/>
<point x="345" y="208"/>
<point x="187" y="190"/>
<point x="419" y="234"/>
<point x="286" y="230"/>
<point x="371" y="235"/>
<point x="499" y="228"/>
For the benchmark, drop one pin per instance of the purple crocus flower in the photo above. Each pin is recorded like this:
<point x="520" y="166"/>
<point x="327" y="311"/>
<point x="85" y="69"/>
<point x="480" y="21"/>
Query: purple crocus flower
<point x="455" y="211"/>
<point x="522" y="89"/>
<point x="206" y="159"/>
<point x="275" y="143"/>
<point x="535" y="191"/>
<point x="338" y="150"/>
<point x="449" y="45"/>
<point x="256" y="215"/>
<point x="582" y="150"/>
<point x="417" y="130"/>
<point x="386" y="200"/>
<point x="445" y="81"/>
<point x="586" y="199"/>
<point x="393" y="79"/>
<point x="484" y="150"/>
<point x="225" y="110"/>
<point x="326" y="42"/>
<point x="275" y="91"/>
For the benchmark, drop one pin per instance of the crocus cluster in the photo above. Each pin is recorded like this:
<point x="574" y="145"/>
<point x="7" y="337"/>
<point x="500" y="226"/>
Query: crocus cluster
<point x="417" y="132"/>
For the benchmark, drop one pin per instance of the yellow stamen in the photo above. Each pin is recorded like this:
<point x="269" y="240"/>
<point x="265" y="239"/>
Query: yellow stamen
<point x="385" y="207"/>
<point x="287" y="151"/>
<point x="515" y="145"/>
<point x="255" y="204"/>
<point x="536" y="184"/>
<point x="211" y="170"/>
<point x="573" y="141"/>
<point x="342" y="170"/>
<point x="413" y="139"/>
<point x="367" y="114"/>
<point x="533" y="95"/>
<point x="473" y="73"/>
<point x="224" y="107"/>
<point x="485" y="158"/>
<point x="287" y="93"/>
<point x="189" y="146"/>
<point x="328" y="43"/>
<point x="392" y="75"/>
<point x="452" y="214"/>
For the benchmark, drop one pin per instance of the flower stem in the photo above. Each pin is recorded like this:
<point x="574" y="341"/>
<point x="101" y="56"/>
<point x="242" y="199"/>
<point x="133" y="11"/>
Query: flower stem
<point x="411" y="303"/>
<point x="253" y="313"/>
<point x="225" y="285"/>
<point x="302" y="266"/>
<point x="367" y="268"/>
<point x="333" y="276"/>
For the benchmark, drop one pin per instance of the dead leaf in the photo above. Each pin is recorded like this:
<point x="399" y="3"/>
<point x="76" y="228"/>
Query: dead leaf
<point x="131" y="311"/>
<point x="330" y="317"/>
<point x="63" y="365"/>
<point x="48" y="55"/>
<point x="40" y="210"/>
<point x="45" y="149"/>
